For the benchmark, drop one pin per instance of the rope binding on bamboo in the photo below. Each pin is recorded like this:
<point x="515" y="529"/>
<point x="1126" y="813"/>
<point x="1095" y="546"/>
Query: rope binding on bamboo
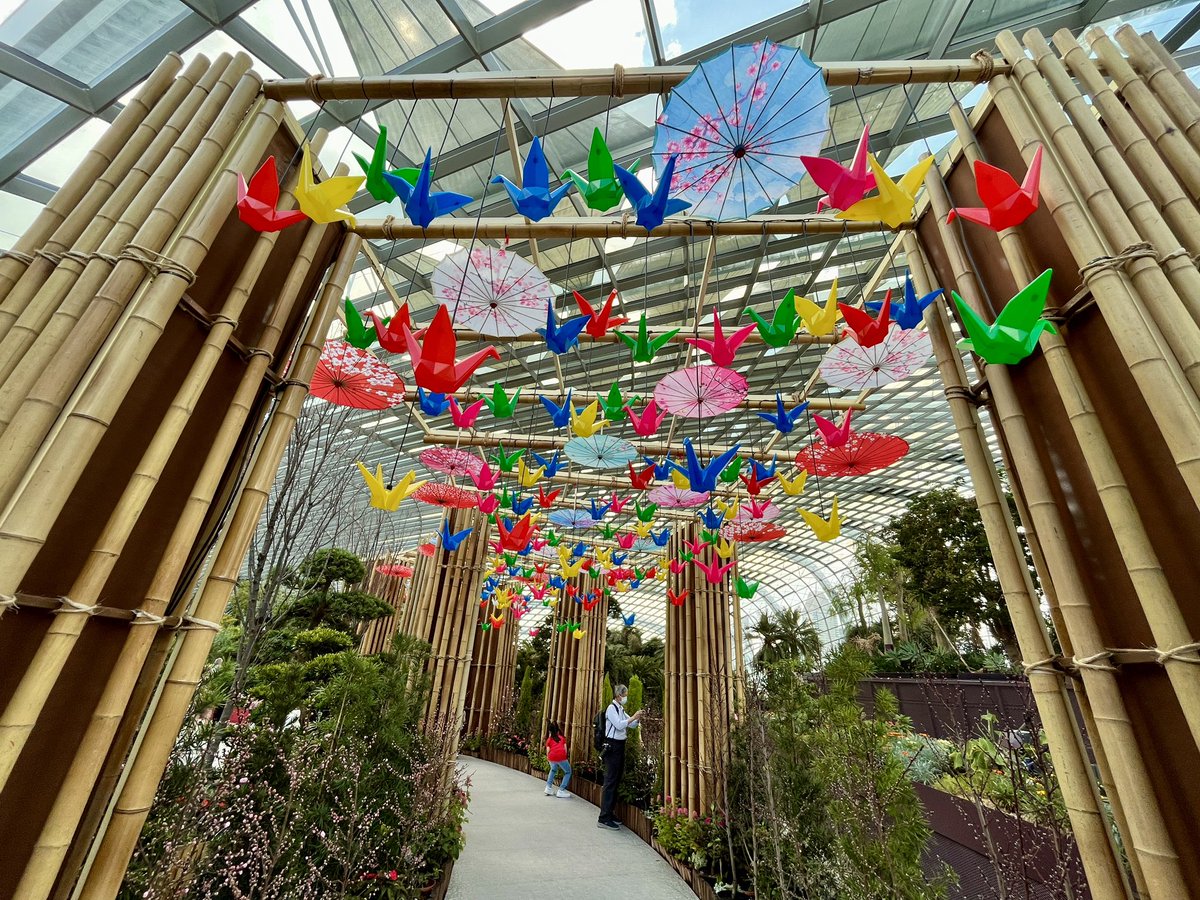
<point x="310" y="85"/>
<point x="987" y="65"/>
<point x="157" y="263"/>
<point x="191" y="623"/>
<point x="1140" y="250"/>
<point x="20" y="257"/>
<point x="70" y="607"/>
<point x="8" y="601"/>
<point x="962" y="392"/>
<point x="618" y="80"/>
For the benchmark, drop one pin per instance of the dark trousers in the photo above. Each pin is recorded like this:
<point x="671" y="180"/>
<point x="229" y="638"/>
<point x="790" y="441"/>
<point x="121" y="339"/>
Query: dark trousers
<point x="614" y="766"/>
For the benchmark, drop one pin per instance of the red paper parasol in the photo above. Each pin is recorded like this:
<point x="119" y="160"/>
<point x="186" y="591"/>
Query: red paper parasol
<point x="347" y="376"/>
<point x="395" y="570"/>
<point x="864" y="452"/>
<point x="752" y="532"/>
<point x="854" y="367"/>
<point x="698" y="392"/>
<point x="427" y="549"/>
<point x="446" y="496"/>
<point x="452" y="461"/>
<point x="669" y="496"/>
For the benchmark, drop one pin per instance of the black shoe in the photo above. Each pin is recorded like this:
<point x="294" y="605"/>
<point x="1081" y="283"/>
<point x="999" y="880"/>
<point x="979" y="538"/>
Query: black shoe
<point x="611" y="823"/>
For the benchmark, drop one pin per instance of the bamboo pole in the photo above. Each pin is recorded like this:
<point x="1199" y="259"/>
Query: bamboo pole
<point x="13" y="262"/>
<point x="1177" y="102"/>
<point x="512" y="440"/>
<point x="47" y="318"/>
<point x="73" y="234"/>
<point x="1118" y="735"/>
<point x="610" y="337"/>
<point x="752" y="401"/>
<point x="27" y="701"/>
<point x="580" y="227"/>
<point x="1174" y="146"/>
<point x="1152" y="170"/>
<point x="1173" y="67"/>
<point x="1129" y="190"/>
<point x="48" y="484"/>
<point x="1147" y="284"/>
<point x="145" y="769"/>
<point x="617" y="82"/>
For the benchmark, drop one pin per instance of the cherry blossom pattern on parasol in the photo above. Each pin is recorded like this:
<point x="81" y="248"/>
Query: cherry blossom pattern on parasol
<point x="853" y="367"/>
<point x="862" y="453"/>
<point x="348" y="376"/>
<point x="446" y="496"/>
<point x="452" y="461"/>
<point x="669" y="496"/>
<point x="752" y="532"/>
<point x="493" y="291"/>
<point x="395" y="570"/>
<point x="699" y="392"/>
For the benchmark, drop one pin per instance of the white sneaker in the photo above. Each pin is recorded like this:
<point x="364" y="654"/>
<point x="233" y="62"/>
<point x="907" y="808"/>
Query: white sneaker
<point x="549" y="793"/>
<point x="563" y="794"/>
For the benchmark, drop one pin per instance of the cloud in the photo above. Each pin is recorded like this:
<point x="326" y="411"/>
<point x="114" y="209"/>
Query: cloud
<point x="668" y="15"/>
<point x="674" y="49"/>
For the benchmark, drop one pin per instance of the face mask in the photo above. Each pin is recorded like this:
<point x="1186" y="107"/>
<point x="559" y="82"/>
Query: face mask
<point x="622" y="700"/>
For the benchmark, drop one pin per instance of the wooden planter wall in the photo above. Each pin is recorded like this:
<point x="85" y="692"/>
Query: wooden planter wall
<point x="1100" y="428"/>
<point x="155" y="352"/>
<point x="698" y="683"/>
<point x="575" y="680"/>
<point x="492" y="674"/>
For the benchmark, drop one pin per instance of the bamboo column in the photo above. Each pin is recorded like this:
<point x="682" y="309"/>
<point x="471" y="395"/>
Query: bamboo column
<point x="1114" y="729"/>
<point x="1173" y="67"/>
<point x="14" y="262"/>
<point x="144" y="770"/>
<point x="377" y="637"/>
<point x="80" y="232"/>
<point x="575" y="678"/>
<point x="1178" y="102"/>
<point x="698" y="683"/>
<point x="125" y="223"/>
<point x="442" y="610"/>
<point x="493" y="672"/>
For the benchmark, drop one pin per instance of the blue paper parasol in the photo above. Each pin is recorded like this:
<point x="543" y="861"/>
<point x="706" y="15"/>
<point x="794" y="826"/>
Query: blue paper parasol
<point x="739" y="124"/>
<point x="600" y="451"/>
<point x="572" y="518"/>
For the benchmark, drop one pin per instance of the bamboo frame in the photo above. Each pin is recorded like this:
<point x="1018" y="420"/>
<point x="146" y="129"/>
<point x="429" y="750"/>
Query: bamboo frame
<point x="752" y="401"/>
<point x="1178" y="102"/>
<point x="579" y="227"/>
<point x="615" y="82"/>
<point x="575" y="674"/>
<point x="93" y="167"/>
<point x="1173" y="67"/>
<point x="610" y="337"/>
<point x="492" y="674"/>
<point x="145" y="768"/>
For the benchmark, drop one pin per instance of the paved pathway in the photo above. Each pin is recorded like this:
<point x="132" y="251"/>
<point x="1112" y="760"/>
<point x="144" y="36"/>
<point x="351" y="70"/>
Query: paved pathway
<point x="523" y="844"/>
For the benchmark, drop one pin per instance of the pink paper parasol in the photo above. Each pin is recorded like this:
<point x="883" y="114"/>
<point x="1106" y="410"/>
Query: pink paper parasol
<point x="752" y="532"/>
<point x="452" y="461"/>
<point x="669" y="496"/>
<point x="347" y="376"/>
<point x="864" y="452"/>
<point x="699" y="392"/>
<point x="492" y="291"/>
<point x="767" y="511"/>
<point x="446" y="496"/>
<point x="851" y="366"/>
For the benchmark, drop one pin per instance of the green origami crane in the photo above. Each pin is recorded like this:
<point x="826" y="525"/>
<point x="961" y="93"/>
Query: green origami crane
<point x="710" y="536"/>
<point x="746" y="589"/>
<point x="645" y="513"/>
<point x="561" y="627"/>
<point x="781" y="330"/>
<point x="486" y="626"/>
<point x="377" y="185"/>
<point x="729" y="474"/>
<point x="644" y="349"/>
<point x="510" y="559"/>
<point x="552" y="538"/>
<point x="594" y="572"/>
<point x="614" y="404"/>
<point x="505" y="499"/>
<point x="501" y="405"/>
<point x="601" y="191"/>
<point x="506" y="464"/>
<point x="358" y="333"/>
<point x="608" y="532"/>
<point x="686" y="556"/>
<point x="1014" y="334"/>
<point x="527" y="573"/>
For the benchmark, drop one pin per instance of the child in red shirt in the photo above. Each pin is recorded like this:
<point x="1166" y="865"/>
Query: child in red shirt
<point x="556" y="753"/>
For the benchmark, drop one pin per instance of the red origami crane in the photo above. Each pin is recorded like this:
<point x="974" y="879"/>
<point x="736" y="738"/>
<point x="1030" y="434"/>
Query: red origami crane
<point x="391" y="335"/>
<point x="571" y="590"/>
<point x="599" y="323"/>
<point x="518" y="536"/>
<point x="589" y="605"/>
<point x="868" y="331"/>
<point x="545" y="500"/>
<point x="1005" y="203"/>
<point x="257" y="201"/>
<point x="641" y="481"/>
<point x="677" y="599"/>
<point x="844" y="186"/>
<point x="754" y="484"/>
<point x="434" y="366"/>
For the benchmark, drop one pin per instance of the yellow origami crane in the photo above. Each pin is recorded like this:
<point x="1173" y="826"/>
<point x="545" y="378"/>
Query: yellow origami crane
<point x="622" y="587"/>
<point x="793" y="487"/>
<point x="661" y="574"/>
<point x="680" y="480"/>
<point x="824" y="530"/>
<point x="894" y="204"/>
<point x="529" y="477"/>
<point x="381" y="497"/>
<point x="584" y="423"/>
<point x="604" y="558"/>
<point x="819" y="320"/>
<point x="730" y="507"/>
<point x="724" y="549"/>
<point x="503" y="598"/>
<point x="571" y="570"/>
<point x="578" y="634"/>
<point x="564" y="554"/>
<point x="322" y="202"/>
<point x="643" y="529"/>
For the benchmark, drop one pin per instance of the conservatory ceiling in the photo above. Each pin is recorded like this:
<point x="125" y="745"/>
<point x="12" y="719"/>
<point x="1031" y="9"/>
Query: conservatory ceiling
<point x="66" y="65"/>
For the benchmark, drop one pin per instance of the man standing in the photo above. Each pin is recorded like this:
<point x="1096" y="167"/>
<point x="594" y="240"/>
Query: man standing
<point x="616" y="724"/>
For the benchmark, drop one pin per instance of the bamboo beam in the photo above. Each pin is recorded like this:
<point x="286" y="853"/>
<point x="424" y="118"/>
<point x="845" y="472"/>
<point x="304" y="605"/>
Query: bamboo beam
<point x="616" y="82"/>
<point x="752" y="401"/>
<point x="610" y="337"/>
<point x="579" y="227"/>
<point x="512" y="440"/>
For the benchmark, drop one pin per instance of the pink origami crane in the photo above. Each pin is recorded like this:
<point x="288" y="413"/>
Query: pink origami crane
<point x="625" y="541"/>
<point x="465" y="418"/>
<point x="677" y="566"/>
<point x="721" y="350"/>
<point x="646" y="423"/>
<point x="868" y="331"/>
<point x="1005" y="203"/>
<point x="834" y="435"/>
<point x="488" y="503"/>
<point x="434" y="365"/>
<point x="713" y="572"/>
<point x="485" y="480"/>
<point x="618" y="503"/>
<point x="843" y="186"/>
<point x="695" y="547"/>
<point x="257" y="201"/>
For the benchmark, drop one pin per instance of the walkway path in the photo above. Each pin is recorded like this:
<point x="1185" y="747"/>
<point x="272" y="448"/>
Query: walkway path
<point x="523" y="844"/>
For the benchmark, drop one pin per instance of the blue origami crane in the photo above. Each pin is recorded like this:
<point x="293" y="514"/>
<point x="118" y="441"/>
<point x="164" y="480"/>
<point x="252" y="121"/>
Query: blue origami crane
<point x="526" y="550"/>
<point x="619" y="558"/>
<point x="662" y="470"/>
<point x="432" y="404"/>
<point x="421" y="205"/>
<point x="660" y="539"/>
<point x="551" y="465"/>
<point x="761" y="472"/>
<point x="712" y="518"/>
<point x="534" y="199"/>
<point x="634" y="583"/>
<point x="909" y="313"/>
<point x="561" y="338"/>
<point x="450" y="540"/>
<point x="559" y="415"/>
<point x="519" y="506"/>
<point x="703" y="479"/>
<point x="579" y="549"/>
<point x="784" y="420"/>
<point x="578" y="598"/>
<point x="628" y="620"/>
<point x="600" y="512"/>
<point x="556" y="581"/>
<point x="651" y="208"/>
<point x="514" y="571"/>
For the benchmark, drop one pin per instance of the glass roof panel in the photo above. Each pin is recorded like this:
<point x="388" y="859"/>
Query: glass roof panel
<point x="384" y="34"/>
<point x="687" y="25"/>
<point x="22" y="111"/>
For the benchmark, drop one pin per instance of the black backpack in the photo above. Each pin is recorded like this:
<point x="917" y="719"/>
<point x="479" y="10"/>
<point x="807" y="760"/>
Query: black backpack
<point x="599" y="729"/>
